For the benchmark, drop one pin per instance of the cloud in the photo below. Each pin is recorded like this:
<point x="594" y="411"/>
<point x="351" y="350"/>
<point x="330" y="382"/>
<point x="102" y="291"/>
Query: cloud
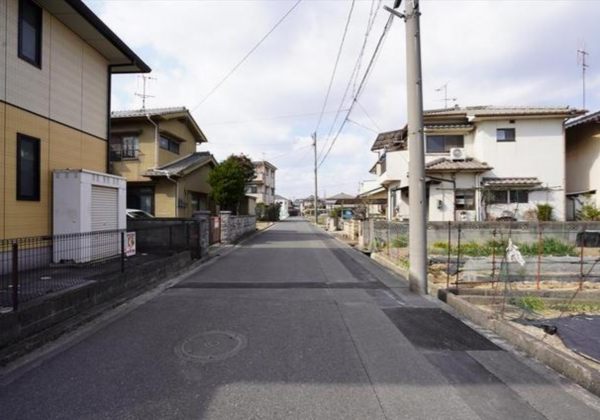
<point x="491" y="52"/>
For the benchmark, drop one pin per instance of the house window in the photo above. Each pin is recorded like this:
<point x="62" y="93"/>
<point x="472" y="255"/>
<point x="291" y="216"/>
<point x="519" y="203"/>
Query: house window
<point x="30" y="32"/>
<point x="252" y="189"/>
<point x="464" y="199"/>
<point x="28" y="168"/>
<point x="272" y="191"/>
<point x="169" y="144"/>
<point x="505" y="134"/>
<point x="507" y="196"/>
<point x="124" y="146"/>
<point x="141" y="198"/>
<point x="443" y="143"/>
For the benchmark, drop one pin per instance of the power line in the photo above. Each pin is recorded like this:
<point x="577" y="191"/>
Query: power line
<point x="361" y="86"/>
<point x="218" y="85"/>
<point x="337" y="61"/>
<point x="310" y="114"/>
<point x="353" y="75"/>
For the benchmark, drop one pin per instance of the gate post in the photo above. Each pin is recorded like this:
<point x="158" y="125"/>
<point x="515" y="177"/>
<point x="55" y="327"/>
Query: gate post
<point x="203" y="218"/>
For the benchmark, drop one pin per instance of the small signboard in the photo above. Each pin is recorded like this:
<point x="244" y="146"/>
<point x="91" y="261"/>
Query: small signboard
<point x="130" y="244"/>
<point x="217" y="222"/>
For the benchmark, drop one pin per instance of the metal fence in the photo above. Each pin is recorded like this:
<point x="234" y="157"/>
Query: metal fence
<point x="509" y="268"/>
<point x="36" y="266"/>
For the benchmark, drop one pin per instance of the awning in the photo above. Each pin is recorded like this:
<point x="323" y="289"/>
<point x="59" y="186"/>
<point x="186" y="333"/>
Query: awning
<point x="375" y="191"/>
<point x="511" y="182"/>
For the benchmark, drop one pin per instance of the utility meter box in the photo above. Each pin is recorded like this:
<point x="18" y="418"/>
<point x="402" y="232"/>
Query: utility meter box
<point x="89" y="212"/>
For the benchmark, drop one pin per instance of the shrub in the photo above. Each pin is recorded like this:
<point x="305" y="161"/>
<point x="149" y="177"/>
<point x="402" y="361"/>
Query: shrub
<point x="336" y="212"/>
<point x="400" y="242"/>
<point x="550" y="246"/>
<point x="544" y="212"/>
<point x="589" y="211"/>
<point x="530" y="304"/>
<point x="270" y="213"/>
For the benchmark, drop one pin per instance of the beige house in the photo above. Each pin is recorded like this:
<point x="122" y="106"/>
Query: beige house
<point x="262" y="187"/>
<point x="583" y="162"/>
<point x="155" y="150"/>
<point x="56" y="63"/>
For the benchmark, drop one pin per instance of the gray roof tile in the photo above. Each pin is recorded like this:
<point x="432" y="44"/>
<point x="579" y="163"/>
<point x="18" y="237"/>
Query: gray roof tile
<point x="447" y="165"/>
<point x="136" y="113"/>
<point x="180" y="166"/>
<point x="511" y="182"/>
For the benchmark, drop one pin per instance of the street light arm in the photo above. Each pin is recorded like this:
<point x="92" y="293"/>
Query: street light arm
<point x="394" y="12"/>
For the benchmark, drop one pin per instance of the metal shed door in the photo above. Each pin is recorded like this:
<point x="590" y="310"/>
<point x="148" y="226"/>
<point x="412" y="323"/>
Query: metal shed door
<point x="105" y="209"/>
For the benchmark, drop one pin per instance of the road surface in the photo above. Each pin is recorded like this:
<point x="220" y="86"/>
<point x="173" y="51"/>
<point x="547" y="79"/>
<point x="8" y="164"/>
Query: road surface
<point x="291" y="325"/>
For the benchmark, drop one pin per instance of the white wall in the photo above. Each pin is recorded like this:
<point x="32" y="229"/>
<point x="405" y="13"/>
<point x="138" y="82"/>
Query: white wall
<point x="539" y="151"/>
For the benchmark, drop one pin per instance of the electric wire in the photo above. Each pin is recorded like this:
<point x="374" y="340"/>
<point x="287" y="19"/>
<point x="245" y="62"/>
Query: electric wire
<point x="335" y="66"/>
<point x="360" y="87"/>
<point x="353" y="76"/>
<point x="218" y="85"/>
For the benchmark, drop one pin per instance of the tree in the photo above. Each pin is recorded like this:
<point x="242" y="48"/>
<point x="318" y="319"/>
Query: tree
<point x="246" y="163"/>
<point x="228" y="184"/>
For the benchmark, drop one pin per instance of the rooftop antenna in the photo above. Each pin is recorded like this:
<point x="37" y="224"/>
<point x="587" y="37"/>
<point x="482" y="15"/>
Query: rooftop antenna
<point x="446" y="99"/>
<point x="143" y="95"/>
<point x="582" y="61"/>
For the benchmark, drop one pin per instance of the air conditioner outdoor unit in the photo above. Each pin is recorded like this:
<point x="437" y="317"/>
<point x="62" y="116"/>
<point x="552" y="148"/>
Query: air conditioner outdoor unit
<point x="458" y="154"/>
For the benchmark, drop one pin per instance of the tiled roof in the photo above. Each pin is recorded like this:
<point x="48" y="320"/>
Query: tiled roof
<point x="489" y="110"/>
<point x="180" y="166"/>
<point x="511" y="182"/>
<point x="448" y="126"/>
<point x="389" y="139"/>
<point x="136" y="113"/>
<point x="447" y="165"/>
<point x="593" y="117"/>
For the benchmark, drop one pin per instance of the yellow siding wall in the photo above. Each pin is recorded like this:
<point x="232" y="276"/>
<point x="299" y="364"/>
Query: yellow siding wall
<point x="133" y="169"/>
<point x="71" y="87"/>
<point x="164" y="199"/>
<point x="60" y="148"/>
<point x="196" y="181"/>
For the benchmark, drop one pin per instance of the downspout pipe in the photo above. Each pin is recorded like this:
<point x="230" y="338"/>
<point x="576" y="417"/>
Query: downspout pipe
<point x="155" y="140"/>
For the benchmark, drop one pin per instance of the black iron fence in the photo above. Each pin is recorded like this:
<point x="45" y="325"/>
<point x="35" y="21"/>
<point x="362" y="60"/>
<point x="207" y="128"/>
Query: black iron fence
<point x="36" y="266"/>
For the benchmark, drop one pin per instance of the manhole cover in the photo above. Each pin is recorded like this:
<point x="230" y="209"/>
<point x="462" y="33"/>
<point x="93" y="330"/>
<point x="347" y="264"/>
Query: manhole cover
<point x="211" y="346"/>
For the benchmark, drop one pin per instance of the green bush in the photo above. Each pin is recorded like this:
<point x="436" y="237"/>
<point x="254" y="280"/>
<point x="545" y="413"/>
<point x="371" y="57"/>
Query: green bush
<point x="589" y="212"/>
<point x="544" y="212"/>
<point x="550" y="246"/>
<point x="400" y="242"/>
<point x="530" y="303"/>
<point x="336" y="212"/>
<point x="270" y="213"/>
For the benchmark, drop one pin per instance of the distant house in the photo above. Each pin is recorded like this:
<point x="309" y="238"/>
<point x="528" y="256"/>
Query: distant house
<point x="56" y="64"/>
<point x="583" y="162"/>
<point x="482" y="163"/>
<point x="308" y="204"/>
<point x="374" y="197"/>
<point x="262" y="187"/>
<point x="340" y="199"/>
<point x="155" y="149"/>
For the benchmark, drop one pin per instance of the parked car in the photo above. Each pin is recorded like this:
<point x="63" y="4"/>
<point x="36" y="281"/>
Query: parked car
<point x="138" y="214"/>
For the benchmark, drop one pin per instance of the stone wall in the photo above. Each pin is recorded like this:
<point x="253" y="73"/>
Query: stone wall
<point x="234" y="228"/>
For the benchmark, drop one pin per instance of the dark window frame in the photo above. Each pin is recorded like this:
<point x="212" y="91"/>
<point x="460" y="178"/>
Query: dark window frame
<point x="511" y="196"/>
<point x="505" y="130"/>
<point x="445" y="137"/>
<point x="22" y="138"/>
<point x="171" y="144"/>
<point x="467" y="194"/>
<point x="37" y="62"/>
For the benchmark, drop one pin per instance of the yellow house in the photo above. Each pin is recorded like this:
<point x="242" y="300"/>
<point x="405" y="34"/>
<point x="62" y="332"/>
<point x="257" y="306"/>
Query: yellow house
<point x="56" y="62"/>
<point x="155" y="150"/>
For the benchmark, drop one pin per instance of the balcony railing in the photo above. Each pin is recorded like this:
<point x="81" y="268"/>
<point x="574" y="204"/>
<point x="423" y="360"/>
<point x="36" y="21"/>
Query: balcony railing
<point x="124" y="154"/>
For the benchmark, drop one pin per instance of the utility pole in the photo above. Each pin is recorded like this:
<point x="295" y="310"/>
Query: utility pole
<point x="417" y="276"/>
<point x="314" y="137"/>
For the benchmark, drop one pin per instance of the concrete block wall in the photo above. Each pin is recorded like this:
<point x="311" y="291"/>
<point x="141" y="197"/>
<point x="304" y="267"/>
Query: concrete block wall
<point x="234" y="228"/>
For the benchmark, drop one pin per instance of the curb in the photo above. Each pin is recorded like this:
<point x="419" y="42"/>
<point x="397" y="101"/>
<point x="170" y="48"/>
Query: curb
<point x="557" y="359"/>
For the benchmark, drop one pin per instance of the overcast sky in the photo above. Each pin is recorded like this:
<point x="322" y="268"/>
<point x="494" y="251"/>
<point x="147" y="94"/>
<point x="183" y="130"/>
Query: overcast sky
<point x="491" y="52"/>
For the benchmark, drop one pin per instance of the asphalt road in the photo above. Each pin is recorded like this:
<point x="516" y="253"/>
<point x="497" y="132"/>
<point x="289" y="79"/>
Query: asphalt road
<point x="291" y="325"/>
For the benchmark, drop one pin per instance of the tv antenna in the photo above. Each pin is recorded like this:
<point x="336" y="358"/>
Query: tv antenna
<point x="446" y="99"/>
<point x="144" y="95"/>
<point x="582" y="61"/>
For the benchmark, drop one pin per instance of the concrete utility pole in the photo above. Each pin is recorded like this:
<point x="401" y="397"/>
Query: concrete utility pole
<point x="416" y="148"/>
<point x="314" y="137"/>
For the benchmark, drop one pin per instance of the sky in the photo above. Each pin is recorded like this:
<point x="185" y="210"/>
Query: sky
<point x="500" y="52"/>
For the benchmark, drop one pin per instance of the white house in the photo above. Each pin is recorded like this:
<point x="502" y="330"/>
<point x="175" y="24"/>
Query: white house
<point x="482" y="163"/>
<point x="262" y="187"/>
<point x="583" y="162"/>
